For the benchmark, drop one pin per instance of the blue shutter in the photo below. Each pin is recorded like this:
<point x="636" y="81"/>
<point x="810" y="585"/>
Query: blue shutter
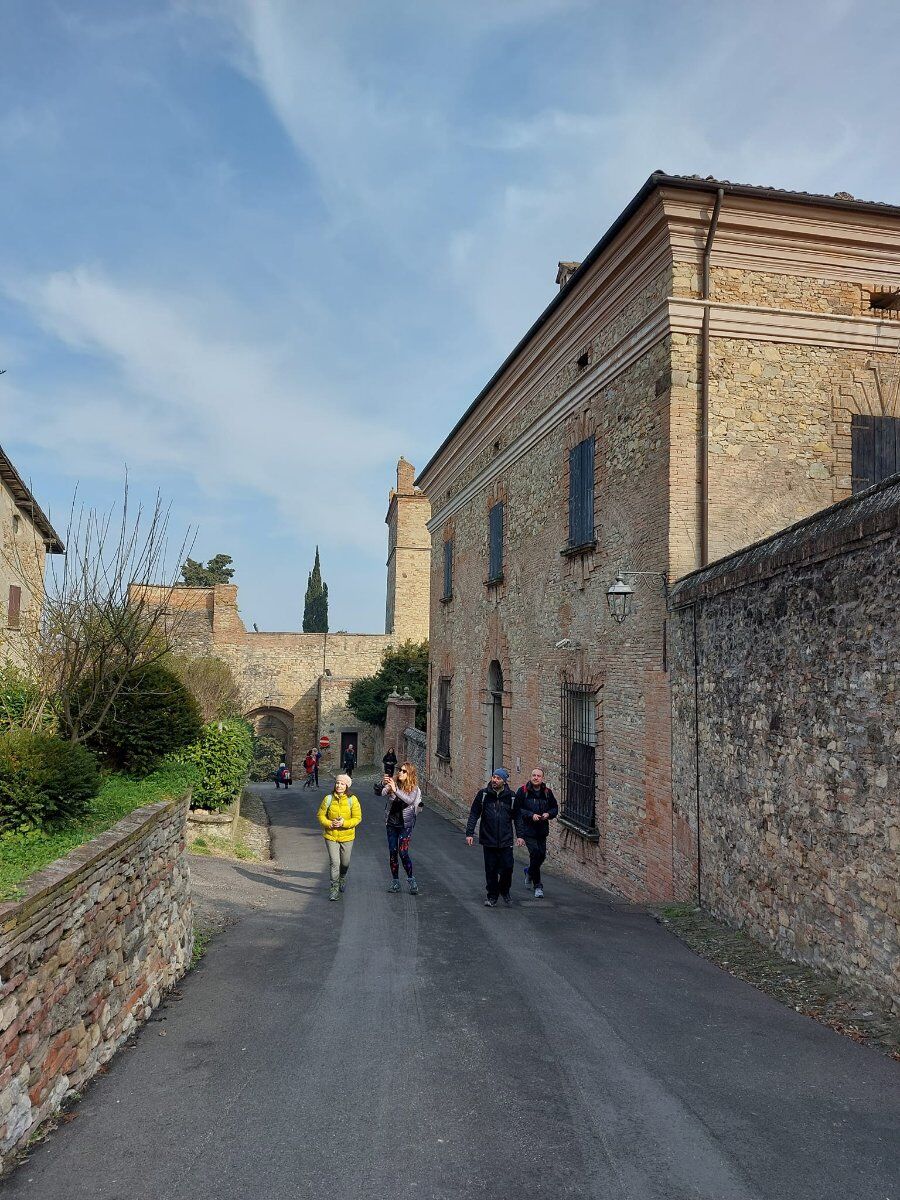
<point x="495" y="561"/>
<point x="581" y="493"/>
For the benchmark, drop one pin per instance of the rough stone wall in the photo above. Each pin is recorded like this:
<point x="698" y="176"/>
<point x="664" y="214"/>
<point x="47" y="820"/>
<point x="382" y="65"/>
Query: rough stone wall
<point x="335" y="718"/>
<point x="85" y="958"/>
<point x="791" y="725"/>
<point x="414" y="750"/>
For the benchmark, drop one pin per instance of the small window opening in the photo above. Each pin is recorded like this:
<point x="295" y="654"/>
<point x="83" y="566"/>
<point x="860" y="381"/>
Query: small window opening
<point x="16" y="521"/>
<point x="885" y="300"/>
<point x="583" y="360"/>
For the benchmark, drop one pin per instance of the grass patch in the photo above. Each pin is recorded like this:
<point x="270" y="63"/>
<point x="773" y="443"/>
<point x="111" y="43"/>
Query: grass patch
<point x="201" y="943"/>
<point x="21" y="854"/>
<point x="213" y="847"/>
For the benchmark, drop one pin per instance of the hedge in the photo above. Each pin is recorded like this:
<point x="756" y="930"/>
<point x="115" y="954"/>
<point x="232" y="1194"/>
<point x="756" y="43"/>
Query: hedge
<point x="222" y="755"/>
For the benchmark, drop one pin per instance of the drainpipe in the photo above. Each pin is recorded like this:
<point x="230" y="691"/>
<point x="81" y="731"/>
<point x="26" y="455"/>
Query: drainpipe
<point x="704" y="386"/>
<point x="697" y="750"/>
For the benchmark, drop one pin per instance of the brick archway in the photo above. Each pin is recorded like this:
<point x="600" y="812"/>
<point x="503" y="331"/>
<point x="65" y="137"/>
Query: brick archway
<point x="277" y="723"/>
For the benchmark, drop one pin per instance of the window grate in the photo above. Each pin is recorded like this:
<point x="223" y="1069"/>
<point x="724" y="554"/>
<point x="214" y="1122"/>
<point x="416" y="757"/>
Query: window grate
<point x="581" y="493"/>
<point x="443" y="736"/>
<point x="578" y="725"/>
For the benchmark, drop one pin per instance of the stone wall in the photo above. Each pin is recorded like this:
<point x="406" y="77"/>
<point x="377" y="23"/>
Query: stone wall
<point x="414" y="741"/>
<point x="785" y="664"/>
<point x="85" y="957"/>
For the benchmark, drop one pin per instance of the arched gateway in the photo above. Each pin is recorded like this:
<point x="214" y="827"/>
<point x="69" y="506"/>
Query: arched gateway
<point x="277" y="723"/>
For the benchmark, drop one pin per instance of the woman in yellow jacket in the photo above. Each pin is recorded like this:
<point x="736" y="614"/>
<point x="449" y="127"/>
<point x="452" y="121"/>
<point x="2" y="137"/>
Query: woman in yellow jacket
<point x="339" y="814"/>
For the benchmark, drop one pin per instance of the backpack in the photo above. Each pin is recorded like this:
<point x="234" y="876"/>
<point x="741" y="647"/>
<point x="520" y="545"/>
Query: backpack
<point x="338" y="799"/>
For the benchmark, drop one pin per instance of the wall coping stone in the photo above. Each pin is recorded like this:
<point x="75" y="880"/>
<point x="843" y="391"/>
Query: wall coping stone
<point x="415" y="735"/>
<point x="870" y="514"/>
<point x="66" y="872"/>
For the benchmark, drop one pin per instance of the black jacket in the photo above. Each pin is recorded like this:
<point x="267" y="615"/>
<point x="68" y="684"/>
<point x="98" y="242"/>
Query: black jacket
<point x="527" y="803"/>
<point x="495" y="809"/>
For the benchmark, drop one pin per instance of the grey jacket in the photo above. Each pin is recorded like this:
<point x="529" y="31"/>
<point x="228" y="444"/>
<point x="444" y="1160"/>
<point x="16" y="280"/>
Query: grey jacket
<point x="412" y="804"/>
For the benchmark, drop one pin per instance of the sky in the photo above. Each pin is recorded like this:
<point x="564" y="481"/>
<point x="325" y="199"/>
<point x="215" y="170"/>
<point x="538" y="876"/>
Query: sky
<point x="254" y="250"/>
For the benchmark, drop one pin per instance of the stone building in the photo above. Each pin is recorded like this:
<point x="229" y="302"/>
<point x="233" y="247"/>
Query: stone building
<point x="26" y="538"/>
<point x="294" y="686"/>
<point x="723" y="363"/>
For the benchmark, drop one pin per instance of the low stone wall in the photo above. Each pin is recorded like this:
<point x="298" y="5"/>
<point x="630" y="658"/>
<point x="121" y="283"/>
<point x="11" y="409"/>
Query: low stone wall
<point x="414" y="749"/>
<point x="85" y="958"/>
<point x="785" y="663"/>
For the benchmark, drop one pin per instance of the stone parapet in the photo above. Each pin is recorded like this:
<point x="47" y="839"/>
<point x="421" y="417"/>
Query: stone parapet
<point x="85" y="957"/>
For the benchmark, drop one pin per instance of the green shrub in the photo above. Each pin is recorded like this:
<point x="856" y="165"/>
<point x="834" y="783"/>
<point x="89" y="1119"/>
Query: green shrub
<point x="222" y="756"/>
<point x="267" y="754"/>
<point x="22" y="705"/>
<point x="44" y="782"/>
<point x="153" y="715"/>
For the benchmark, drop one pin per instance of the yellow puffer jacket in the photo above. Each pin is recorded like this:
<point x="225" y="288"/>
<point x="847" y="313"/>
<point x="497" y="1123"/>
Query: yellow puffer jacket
<point x="344" y="806"/>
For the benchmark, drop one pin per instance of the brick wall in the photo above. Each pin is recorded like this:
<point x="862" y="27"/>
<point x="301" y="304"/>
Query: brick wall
<point x="85" y="958"/>
<point x="786" y="741"/>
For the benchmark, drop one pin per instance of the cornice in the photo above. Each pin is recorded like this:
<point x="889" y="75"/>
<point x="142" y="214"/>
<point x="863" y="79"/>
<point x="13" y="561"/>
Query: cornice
<point x="673" y="315"/>
<point x="784" y="238"/>
<point x="784" y="325"/>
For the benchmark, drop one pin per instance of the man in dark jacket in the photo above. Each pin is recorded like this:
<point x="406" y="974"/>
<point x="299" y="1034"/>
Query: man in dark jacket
<point x="349" y="759"/>
<point x="535" y="807"/>
<point x="493" y="807"/>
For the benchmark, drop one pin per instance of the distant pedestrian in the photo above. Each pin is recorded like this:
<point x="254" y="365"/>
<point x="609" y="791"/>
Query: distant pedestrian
<point x="339" y="814"/>
<point x="317" y="754"/>
<point x="281" y="775"/>
<point x="535" y="807"/>
<point x="309" y="766"/>
<point x="390" y="762"/>
<point x="493" y="808"/>
<point x="349" y="759"/>
<point x="403" y="803"/>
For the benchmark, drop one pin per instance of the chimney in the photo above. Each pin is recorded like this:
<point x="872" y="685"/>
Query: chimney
<point x="406" y="474"/>
<point x="565" y="273"/>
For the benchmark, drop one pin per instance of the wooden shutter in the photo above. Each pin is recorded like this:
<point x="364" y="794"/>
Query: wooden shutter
<point x="495" y="563"/>
<point x="443" y="744"/>
<point x="875" y="449"/>
<point x="14" y="607"/>
<point x="448" y="569"/>
<point x="581" y="493"/>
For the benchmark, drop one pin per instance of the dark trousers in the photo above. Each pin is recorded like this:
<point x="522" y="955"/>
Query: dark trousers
<point x="316" y="774"/>
<point x="498" y="870"/>
<point x="398" y="851"/>
<point x="537" y="852"/>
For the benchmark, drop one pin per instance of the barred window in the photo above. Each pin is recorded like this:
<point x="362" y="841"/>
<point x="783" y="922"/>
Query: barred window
<point x="581" y="493"/>
<point x="448" y="569"/>
<point x="875" y="449"/>
<point x="579" y="758"/>
<point x="443" y="730"/>
<point x="495" y="559"/>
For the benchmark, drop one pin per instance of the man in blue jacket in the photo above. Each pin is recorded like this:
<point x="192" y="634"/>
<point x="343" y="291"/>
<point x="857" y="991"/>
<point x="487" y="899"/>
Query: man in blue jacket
<point x="535" y="807"/>
<point x="493" y="807"/>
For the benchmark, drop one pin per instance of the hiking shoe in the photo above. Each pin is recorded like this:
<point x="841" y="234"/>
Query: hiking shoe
<point x="527" y="878"/>
<point x="507" y="899"/>
<point x="395" y="885"/>
<point x="413" y="886"/>
<point x="334" y="893"/>
<point x="538" y="893"/>
<point x="489" y="903"/>
<point x="342" y="886"/>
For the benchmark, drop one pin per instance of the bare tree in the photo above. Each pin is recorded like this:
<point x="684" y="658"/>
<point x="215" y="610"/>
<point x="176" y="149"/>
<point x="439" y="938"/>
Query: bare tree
<point x="212" y="684"/>
<point x="105" y="612"/>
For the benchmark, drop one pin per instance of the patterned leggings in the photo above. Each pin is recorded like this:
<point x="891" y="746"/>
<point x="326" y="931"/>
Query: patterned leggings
<point x="398" y="851"/>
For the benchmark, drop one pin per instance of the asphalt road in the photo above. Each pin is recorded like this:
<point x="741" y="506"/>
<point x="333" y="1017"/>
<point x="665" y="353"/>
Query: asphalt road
<point x="394" y="1046"/>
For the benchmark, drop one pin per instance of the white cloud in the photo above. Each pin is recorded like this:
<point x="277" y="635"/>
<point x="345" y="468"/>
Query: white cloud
<point x="182" y="394"/>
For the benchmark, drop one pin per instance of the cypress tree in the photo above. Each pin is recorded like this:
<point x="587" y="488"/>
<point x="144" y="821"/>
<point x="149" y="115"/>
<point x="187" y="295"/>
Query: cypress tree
<point x="315" y="606"/>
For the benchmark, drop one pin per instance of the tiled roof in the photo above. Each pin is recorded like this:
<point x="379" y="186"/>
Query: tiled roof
<point x="709" y="182"/>
<point x="27" y="503"/>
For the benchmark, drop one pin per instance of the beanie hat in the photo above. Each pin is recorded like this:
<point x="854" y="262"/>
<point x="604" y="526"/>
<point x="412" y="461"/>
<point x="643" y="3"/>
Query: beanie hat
<point x="501" y="773"/>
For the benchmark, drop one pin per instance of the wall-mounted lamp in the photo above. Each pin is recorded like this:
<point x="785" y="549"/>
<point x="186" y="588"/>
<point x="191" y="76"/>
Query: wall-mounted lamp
<point x="619" y="595"/>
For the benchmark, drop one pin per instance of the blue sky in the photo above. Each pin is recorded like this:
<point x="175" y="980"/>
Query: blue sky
<point x="257" y="249"/>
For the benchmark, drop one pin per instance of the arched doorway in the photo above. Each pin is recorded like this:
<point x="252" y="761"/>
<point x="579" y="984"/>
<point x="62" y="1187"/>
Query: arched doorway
<point x="277" y="723"/>
<point x="495" y="716"/>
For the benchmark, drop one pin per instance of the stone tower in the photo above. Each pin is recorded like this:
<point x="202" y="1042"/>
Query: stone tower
<point x="409" y="558"/>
